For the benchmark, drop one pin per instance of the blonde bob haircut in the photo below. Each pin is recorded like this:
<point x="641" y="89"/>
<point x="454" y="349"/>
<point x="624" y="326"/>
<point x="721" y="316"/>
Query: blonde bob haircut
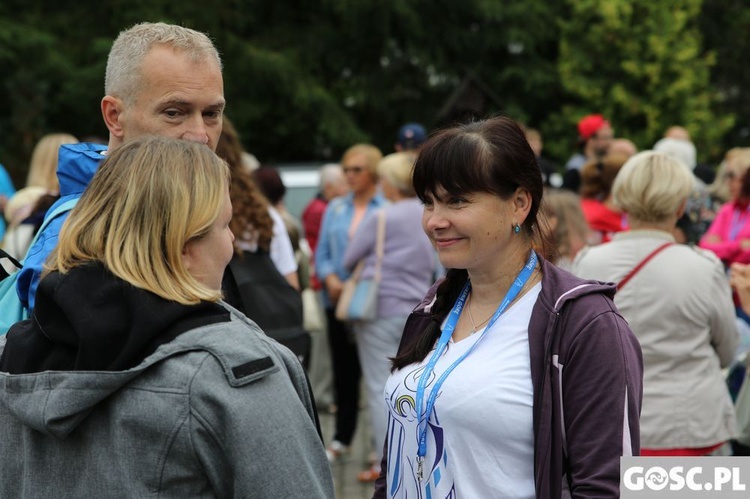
<point x="651" y="187"/>
<point x="147" y="200"/>
<point x="372" y="157"/>
<point x="397" y="169"/>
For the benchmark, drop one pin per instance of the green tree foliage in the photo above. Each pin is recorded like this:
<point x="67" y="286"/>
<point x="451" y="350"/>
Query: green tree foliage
<point x="641" y="64"/>
<point x="304" y="80"/>
<point x="724" y="24"/>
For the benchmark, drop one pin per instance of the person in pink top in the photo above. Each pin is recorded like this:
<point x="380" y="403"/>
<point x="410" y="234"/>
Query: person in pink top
<point x="729" y="233"/>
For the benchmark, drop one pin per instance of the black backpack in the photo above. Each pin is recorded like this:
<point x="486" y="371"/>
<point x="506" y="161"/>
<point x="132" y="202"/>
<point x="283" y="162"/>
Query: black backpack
<point x="254" y="286"/>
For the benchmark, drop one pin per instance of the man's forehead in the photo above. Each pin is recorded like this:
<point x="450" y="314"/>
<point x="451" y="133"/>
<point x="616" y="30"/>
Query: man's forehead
<point x="217" y="104"/>
<point x="166" y="63"/>
<point x="183" y="84"/>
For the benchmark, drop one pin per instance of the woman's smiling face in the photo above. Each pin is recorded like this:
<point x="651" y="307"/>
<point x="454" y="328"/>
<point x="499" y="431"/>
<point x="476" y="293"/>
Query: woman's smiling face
<point x="469" y="231"/>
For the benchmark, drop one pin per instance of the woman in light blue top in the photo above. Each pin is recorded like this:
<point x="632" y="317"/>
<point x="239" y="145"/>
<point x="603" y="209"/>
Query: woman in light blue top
<point x="408" y="269"/>
<point x="340" y="221"/>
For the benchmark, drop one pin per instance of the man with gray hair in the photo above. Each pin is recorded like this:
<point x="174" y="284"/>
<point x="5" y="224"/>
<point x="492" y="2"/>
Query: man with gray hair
<point x="692" y="224"/>
<point x="332" y="184"/>
<point x="166" y="80"/>
<point x="161" y="79"/>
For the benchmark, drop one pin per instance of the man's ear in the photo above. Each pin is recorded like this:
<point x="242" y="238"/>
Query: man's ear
<point x="112" y="111"/>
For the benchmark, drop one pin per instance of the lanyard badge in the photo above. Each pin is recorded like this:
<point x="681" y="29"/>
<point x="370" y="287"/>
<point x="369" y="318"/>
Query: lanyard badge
<point x="423" y="415"/>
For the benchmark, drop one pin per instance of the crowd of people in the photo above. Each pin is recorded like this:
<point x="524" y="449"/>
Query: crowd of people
<point x="526" y="327"/>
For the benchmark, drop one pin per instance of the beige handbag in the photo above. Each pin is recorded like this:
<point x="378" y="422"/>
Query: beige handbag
<point x="359" y="297"/>
<point x="312" y="311"/>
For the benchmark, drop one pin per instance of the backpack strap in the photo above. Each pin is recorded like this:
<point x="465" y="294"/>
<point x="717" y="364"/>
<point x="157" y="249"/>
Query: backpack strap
<point x="4" y="254"/>
<point x="59" y="210"/>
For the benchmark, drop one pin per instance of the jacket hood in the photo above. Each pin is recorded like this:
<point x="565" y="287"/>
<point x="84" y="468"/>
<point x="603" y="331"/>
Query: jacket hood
<point x="562" y="286"/>
<point x="76" y="164"/>
<point x="57" y="402"/>
<point x="89" y="332"/>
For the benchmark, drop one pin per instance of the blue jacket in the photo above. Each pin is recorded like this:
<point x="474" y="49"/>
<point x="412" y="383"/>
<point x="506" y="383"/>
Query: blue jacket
<point x="76" y="166"/>
<point x="334" y="237"/>
<point x="7" y="190"/>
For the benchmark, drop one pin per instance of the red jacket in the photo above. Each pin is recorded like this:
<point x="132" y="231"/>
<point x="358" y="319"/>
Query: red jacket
<point x="603" y="220"/>
<point x="312" y="218"/>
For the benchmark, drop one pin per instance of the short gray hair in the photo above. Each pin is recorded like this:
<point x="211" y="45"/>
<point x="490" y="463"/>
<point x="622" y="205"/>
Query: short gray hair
<point x="123" y="75"/>
<point x="330" y="173"/>
<point x="651" y="186"/>
<point x="681" y="150"/>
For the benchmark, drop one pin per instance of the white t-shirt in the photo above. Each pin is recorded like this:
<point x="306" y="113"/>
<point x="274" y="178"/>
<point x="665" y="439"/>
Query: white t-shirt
<point x="281" y="251"/>
<point x="480" y="440"/>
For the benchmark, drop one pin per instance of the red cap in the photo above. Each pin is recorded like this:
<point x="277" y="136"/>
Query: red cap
<point x="591" y="124"/>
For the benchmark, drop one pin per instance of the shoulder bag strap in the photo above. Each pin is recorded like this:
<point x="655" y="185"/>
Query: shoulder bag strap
<point x="638" y="267"/>
<point x="379" y="244"/>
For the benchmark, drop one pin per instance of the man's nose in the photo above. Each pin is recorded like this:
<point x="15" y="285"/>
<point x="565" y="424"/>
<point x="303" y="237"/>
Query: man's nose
<point x="196" y="130"/>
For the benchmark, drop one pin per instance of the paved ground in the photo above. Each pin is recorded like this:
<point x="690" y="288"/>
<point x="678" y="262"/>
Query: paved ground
<point x="345" y="469"/>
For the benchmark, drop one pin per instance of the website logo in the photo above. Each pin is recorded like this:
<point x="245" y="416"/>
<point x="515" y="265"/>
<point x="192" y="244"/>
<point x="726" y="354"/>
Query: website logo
<point x="664" y="477"/>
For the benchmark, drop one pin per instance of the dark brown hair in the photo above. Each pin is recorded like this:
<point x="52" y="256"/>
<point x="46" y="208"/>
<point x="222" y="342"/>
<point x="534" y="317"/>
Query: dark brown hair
<point x="598" y="176"/>
<point x="490" y="156"/>
<point x="250" y="217"/>
<point x="268" y="180"/>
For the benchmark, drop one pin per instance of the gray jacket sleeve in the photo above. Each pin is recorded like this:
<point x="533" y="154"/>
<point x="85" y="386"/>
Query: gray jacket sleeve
<point x="255" y="434"/>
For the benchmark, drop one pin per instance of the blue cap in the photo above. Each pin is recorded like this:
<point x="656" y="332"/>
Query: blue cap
<point x="411" y="136"/>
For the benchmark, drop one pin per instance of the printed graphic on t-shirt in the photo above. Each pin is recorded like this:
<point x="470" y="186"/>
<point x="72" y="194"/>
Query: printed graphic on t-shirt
<point x="437" y="481"/>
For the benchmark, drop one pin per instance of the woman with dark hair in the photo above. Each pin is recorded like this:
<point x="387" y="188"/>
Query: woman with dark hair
<point x="261" y="279"/>
<point x="513" y="378"/>
<point x="256" y="225"/>
<point x="597" y="177"/>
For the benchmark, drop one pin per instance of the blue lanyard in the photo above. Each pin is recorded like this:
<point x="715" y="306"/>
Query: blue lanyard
<point x="442" y="344"/>
<point x="738" y="221"/>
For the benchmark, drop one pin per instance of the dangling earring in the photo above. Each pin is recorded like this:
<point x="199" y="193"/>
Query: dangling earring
<point x="516" y="229"/>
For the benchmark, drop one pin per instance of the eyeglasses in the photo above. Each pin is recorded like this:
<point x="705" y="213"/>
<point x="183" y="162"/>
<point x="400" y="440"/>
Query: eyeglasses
<point x="354" y="169"/>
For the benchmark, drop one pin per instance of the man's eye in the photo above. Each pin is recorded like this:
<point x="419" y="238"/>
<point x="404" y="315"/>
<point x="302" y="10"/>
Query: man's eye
<point x="172" y="113"/>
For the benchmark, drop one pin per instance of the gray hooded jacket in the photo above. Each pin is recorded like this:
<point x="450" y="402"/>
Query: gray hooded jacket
<point x="219" y="411"/>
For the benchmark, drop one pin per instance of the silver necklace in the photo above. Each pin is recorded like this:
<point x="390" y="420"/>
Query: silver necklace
<point x="475" y="327"/>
